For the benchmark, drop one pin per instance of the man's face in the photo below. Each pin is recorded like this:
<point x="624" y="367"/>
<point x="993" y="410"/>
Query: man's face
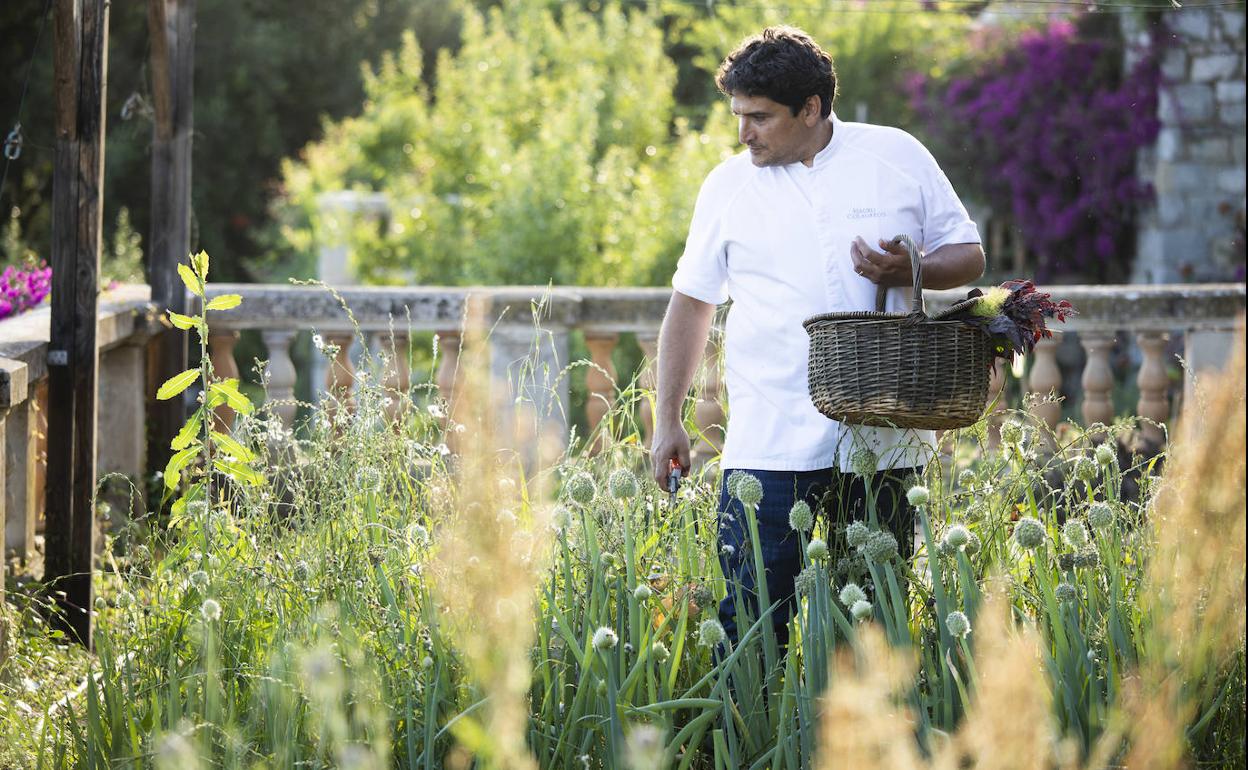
<point x="775" y="135"/>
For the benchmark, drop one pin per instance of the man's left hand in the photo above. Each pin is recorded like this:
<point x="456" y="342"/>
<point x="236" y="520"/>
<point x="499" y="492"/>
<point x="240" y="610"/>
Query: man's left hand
<point x="889" y="267"/>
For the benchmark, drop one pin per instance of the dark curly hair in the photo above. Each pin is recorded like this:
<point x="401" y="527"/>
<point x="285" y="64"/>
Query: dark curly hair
<point x="783" y="64"/>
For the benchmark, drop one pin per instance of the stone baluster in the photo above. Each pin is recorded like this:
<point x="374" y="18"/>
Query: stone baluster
<point x="280" y="373"/>
<point x="340" y="374"/>
<point x="449" y="341"/>
<point x="397" y="378"/>
<point x="1046" y="378"/>
<point x="1098" y="378"/>
<point x="1154" y="401"/>
<point x="708" y="414"/>
<point x="17" y="443"/>
<point x="649" y="344"/>
<point x="996" y="384"/>
<point x="221" y="353"/>
<point x="599" y="382"/>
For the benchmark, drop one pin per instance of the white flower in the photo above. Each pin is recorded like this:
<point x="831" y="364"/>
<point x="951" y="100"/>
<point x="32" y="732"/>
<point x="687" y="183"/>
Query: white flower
<point x="642" y="592"/>
<point x="711" y="633"/>
<point x="749" y="489"/>
<point x="660" y="651"/>
<point x="857" y="534"/>
<point x="817" y="550"/>
<point x="1029" y="533"/>
<point x="1105" y="455"/>
<point x="1085" y="469"/>
<point x="581" y="488"/>
<point x="957" y="536"/>
<point x="851" y="594"/>
<point x="801" y="518"/>
<point x="199" y="579"/>
<point x="1075" y="534"/>
<point x="918" y="495"/>
<point x="561" y="519"/>
<point x="864" y="463"/>
<point x="605" y="639"/>
<point x="210" y="610"/>
<point x="958" y="624"/>
<point x="125" y="599"/>
<point x="1101" y="515"/>
<point x="318" y="342"/>
<point x="435" y="411"/>
<point x="622" y="484"/>
<point x="880" y="547"/>
<point x="862" y="610"/>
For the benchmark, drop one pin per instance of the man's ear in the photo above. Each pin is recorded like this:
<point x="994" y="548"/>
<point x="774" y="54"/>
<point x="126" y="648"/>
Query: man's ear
<point x="812" y="109"/>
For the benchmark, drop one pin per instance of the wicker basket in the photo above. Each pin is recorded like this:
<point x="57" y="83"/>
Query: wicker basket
<point x="902" y="370"/>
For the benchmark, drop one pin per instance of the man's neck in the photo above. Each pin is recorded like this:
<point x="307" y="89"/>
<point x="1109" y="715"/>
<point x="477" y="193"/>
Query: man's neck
<point x="822" y="137"/>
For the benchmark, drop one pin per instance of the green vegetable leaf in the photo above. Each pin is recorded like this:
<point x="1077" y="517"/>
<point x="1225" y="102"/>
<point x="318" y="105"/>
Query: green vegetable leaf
<point x="224" y="302"/>
<point x="176" y="384"/>
<point x="191" y="280"/>
<point x="231" y="446"/>
<point x="173" y="470"/>
<point x="228" y="390"/>
<point x="184" y="321"/>
<point x="239" y="472"/>
<point x="188" y="432"/>
<point x="200" y="263"/>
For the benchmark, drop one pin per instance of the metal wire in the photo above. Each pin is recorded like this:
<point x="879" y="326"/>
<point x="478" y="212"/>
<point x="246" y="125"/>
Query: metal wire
<point x="13" y="142"/>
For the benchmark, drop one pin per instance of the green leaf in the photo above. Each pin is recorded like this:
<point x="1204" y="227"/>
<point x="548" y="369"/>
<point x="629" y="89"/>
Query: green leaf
<point x="191" y="280"/>
<point x="239" y="472"/>
<point x="228" y="390"/>
<point x="176" y="384"/>
<point x="188" y="432"/>
<point x="232" y="447"/>
<point x="200" y="263"/>
<point x="224" y="302"/>
<point x="184" y="321"/>
<point x="173" y="470"/>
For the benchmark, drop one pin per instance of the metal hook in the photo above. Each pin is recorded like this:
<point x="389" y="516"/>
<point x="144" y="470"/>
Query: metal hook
<point x="13" y="143"/>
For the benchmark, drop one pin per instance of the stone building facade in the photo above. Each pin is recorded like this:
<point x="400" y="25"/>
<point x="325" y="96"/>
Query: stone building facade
<point x="1195" y="230"/>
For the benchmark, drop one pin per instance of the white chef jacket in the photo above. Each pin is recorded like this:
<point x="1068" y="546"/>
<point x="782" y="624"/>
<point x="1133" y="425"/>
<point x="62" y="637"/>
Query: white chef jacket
<point x="776" y="240"/>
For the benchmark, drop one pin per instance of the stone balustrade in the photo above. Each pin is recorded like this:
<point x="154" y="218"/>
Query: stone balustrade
<point x="529" y="331"/>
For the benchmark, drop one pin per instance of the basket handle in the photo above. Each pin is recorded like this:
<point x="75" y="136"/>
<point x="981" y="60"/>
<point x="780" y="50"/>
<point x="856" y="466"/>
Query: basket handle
<point x="916" y="269"/>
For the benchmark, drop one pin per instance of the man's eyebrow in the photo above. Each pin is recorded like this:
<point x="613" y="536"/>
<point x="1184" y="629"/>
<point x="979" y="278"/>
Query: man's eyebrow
<point x="752" y="114"/>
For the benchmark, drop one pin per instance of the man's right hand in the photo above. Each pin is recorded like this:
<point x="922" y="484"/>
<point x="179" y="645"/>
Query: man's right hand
<point x="669" y="443"/>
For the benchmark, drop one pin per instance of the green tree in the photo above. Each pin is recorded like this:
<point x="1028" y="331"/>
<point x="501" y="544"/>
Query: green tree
<point x="550" y="150"/>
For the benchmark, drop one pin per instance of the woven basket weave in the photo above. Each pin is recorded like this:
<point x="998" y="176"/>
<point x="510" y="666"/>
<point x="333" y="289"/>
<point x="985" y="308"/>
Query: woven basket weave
<point x="898" y="369"/>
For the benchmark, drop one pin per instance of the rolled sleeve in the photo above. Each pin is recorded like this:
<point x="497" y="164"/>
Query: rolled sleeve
<point x="945" y="218"/>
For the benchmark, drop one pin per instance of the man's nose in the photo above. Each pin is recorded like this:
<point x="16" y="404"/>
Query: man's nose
<point x="743" y="132"/>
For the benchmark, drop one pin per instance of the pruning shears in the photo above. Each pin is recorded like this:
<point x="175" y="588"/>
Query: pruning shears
<point x="673" y="479"/>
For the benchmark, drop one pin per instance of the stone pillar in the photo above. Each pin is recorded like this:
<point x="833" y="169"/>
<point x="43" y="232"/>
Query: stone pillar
<point x="1046" y="378"/>
<point x="1098" y="378"/>
<point x="20" y="492"/>
<point x="1205" y="351"/>
<point x="599" y="381"/>
<point x="448" y="364"/>
<point x="280" y="373"/>
<point x="1154" y="402"/>
<point x="649" y="344"/>
<point x="1197" y="164"/>
<point x="12" y="393"/>
<point x="340" y="376"/>
<point x="221" y="353"/>
<point x="121" y="425"/>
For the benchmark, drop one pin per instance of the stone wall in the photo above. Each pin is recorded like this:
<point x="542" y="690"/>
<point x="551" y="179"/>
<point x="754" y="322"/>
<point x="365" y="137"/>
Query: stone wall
<point x="1194" y="232"/>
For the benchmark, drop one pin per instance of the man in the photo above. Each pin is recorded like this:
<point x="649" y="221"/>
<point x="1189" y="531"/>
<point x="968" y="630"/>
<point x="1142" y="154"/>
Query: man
<point x="800" y="224"/>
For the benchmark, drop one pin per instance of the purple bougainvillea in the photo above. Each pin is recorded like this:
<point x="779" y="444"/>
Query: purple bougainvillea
<point x="1050" y="132"/>
<point x="23" y="288"/>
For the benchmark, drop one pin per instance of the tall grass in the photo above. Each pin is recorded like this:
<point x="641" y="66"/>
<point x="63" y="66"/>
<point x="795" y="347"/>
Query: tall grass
<point x="383" y="602"/>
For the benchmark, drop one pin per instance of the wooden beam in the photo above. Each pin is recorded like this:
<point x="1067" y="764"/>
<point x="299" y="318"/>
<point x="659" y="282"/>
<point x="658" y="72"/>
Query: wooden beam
<point x="81" y="63"/>
<point x="172" y="29"/>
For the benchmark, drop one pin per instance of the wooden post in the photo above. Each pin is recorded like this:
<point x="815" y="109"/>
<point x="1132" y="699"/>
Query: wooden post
<point x="81" y="65"/>
<point x="172" y="31"/>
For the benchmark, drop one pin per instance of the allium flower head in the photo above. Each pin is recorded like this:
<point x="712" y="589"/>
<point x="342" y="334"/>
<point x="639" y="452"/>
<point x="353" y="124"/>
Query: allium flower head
<point x="862" y="610"/>
<point x="622" y="484"/>
<point x="125" y="599"/>
<point x="199" y="579"/>
<point x="805" y="581"/>
<point x="660" y="651"/>
<point x="863" y="463"/>
<point x="711" y="633"/>
<point x="197" y="509"/>
<point x="958" y="624"/>
<point x="1106" y="456"/>
<point x="1085" y="468"/>
<point x="561" y="518"/>
<point x="1075" y="533"/>
<point x="1087" y="558"/>
<point x="1101" y="515"/>
<point x="880" y="547"/>
<point x="642" y="592"/>
<point x="734" y="479"/>
<point x="1065" y="561"/>
<point x="417" y="534"/>
<point x="605" y="639"/>
<point x="801" y="518"/>
<point x="851" y="594"/>
<point x="817" y="550"/>
<point x="1065" y="592"/>
<point x="1029" y="533"/>
<point x="210" y="610"/>
<point x="749" y="489"/>
<point x="581" y="488"/>
<point x="957" y="536"/>
<point x="966" y="478"/>
<point x="1011" y="433"/>
<point x="857" y="534"/>
<point x="973" y="545"/>
<point x="918" y="495"/>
